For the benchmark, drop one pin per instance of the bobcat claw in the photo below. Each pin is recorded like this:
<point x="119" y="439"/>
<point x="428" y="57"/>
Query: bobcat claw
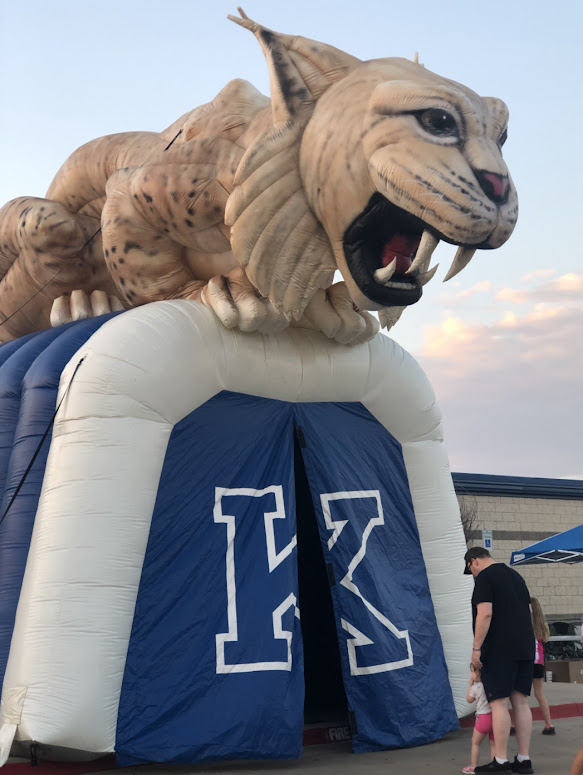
<point x="80" y="305"/>
<point x="237" y="304"/>
<point x="333" y="313"/>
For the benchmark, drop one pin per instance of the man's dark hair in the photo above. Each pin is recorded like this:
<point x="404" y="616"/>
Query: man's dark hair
<point x="473" y="554"/>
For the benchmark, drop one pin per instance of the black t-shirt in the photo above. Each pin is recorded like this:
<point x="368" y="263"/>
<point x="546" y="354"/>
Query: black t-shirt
<point x="510" y="635"/>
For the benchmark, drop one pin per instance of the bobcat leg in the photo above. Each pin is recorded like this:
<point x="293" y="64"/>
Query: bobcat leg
<point x="164" y="238"/>
<point x="144" y="243"/>
<point x="46" y="251"/>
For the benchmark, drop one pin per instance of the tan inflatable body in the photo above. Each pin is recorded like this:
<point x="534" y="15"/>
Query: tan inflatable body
<point x="250" y="205"/>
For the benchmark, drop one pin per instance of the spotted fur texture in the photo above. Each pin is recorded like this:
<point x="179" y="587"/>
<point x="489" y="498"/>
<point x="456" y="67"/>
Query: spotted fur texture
<point x="250" y="205"/>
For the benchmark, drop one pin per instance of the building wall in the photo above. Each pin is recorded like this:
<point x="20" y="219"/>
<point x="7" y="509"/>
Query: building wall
<point x="518" y="522"/>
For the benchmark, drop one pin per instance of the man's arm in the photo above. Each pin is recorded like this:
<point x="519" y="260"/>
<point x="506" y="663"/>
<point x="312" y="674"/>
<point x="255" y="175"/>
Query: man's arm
<point x="483" y="620"/>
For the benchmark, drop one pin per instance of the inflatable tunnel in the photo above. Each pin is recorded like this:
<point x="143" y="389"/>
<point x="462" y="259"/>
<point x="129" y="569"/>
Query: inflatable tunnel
<point x="226" y="534"/>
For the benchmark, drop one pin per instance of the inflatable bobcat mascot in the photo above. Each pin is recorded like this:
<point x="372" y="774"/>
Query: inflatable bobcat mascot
<point x="251" y="205"/>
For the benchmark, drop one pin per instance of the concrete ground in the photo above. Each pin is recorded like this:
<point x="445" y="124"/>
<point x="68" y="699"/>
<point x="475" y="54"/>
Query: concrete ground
<point x="550" y="755"/>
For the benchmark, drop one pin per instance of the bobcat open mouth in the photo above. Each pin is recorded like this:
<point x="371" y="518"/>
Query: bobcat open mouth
<point x="381" y="248"/>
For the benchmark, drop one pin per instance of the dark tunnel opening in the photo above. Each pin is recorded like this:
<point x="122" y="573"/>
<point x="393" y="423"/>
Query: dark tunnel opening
<point x="325" y="699"/>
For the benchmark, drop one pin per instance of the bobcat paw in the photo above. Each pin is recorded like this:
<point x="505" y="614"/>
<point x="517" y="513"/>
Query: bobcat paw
<point x="237" y="304"/>
<point x="332" y="312"/>
<point x="79" y="306"/>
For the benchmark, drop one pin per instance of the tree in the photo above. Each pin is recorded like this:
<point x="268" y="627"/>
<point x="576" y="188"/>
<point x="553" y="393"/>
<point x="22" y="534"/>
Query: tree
<point x="469" y="516"/>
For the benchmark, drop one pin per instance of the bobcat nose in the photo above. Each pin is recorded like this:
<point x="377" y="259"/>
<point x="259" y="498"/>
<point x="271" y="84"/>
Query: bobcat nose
<point x="496" y="187"/>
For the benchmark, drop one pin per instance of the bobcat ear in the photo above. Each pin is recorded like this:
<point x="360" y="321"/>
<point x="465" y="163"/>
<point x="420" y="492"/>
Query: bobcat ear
<point x="300" y="69"/>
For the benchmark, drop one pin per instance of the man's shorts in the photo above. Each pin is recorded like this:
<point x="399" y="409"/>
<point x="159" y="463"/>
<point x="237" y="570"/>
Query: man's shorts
<point x="500" y="678"/>
<point x="484" y="724"/>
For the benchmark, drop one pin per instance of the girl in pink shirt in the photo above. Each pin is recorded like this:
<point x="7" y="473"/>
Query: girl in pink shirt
<point x="541" y="633"/>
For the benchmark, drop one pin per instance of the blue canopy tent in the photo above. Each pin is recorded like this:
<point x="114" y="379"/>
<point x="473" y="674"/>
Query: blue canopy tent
<point x="563" y="547"/>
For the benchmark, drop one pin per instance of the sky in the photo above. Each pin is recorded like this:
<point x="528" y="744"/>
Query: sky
<point x="502" y="343"/>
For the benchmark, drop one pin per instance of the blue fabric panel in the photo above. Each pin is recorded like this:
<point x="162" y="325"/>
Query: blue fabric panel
<point x="7" y="348"/>
<point x="29" y="381"/>
<point x="381" y="594"/>
<point x="178" y="704"/>
<point x="7" y="411"/>
<point x="12" y="373"/>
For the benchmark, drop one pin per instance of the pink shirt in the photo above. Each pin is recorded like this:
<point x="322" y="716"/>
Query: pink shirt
<point x="539" y="653"/>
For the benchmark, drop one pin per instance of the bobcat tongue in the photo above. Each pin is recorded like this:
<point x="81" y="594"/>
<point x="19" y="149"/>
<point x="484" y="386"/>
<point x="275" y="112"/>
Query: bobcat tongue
<point x="401" y="247"/>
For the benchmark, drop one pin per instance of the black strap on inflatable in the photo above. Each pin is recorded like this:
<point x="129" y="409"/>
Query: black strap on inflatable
<point x="42" y="441"/>
<point x="48" y="282"/>
<point x="173" y="139"/>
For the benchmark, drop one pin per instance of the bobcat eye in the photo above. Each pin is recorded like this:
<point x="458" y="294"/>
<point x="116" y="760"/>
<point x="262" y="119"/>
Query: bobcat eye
<point x="439" y="122"/>
<point x="503" y="137"/>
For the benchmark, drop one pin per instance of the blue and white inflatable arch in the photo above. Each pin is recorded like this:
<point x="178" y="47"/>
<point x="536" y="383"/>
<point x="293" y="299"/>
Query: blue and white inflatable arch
<point x="158" y="615"/>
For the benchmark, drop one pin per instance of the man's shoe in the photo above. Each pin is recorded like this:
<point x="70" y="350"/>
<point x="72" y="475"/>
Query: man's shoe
<point x="525" y="768"/>
<point x="494" y="766"/>
<point x="549" y="731"/>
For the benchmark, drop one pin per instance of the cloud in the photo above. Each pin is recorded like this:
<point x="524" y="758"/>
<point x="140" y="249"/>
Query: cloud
<point x="512" y="295"/>
<point x="459" y="298"/>
<point x="538" y="274"/>
<point x="570" y="282"/>
<point x="511" y="392"/>
<point x="485" y="285"/>
<point x="565" y="289"/>
<point x="545" y="288"/>
<point x="540" y="312"/>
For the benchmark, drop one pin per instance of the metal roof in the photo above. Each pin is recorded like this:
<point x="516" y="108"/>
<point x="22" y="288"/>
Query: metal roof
<point x="517" y="486"/>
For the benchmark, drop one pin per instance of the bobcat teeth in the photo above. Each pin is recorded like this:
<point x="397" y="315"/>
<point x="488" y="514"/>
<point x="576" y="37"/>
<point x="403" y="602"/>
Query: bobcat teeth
<point x="424" y="278"/>
<point x="461" y="259"/>
<point x="384" y="274"/>
<point x="424" y="252"/>
<point x="399" y="285"/>
<point x="388" y="316"/>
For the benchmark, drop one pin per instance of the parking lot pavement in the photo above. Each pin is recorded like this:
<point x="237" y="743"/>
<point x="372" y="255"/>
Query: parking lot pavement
<point x="550" y="755"/>
<point x="559" y="694"/>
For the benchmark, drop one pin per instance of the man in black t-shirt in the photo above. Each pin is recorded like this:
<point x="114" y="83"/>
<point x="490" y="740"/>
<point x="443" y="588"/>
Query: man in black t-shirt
<point x="504" y="651"/>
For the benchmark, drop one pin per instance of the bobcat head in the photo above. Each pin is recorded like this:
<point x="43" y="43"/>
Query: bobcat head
<point x="367" y="167"/>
